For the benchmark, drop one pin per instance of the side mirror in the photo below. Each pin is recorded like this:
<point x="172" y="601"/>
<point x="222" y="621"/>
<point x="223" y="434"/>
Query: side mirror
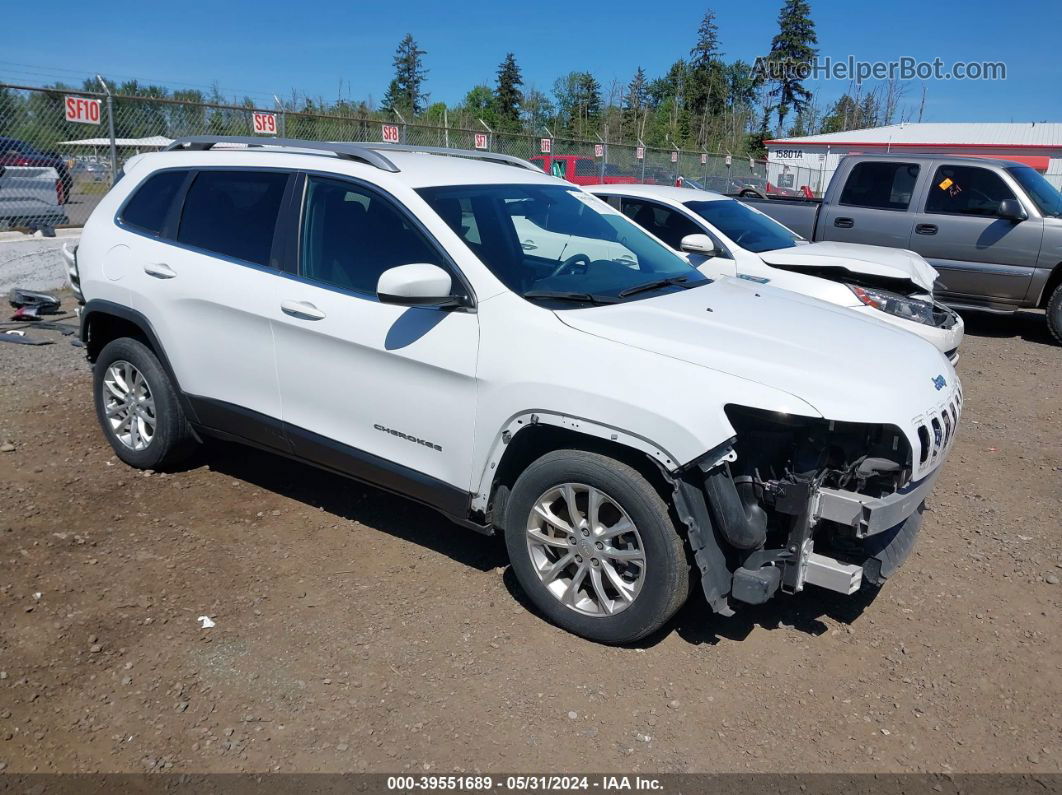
<point x="699" y="244"/>
<point x="418" y="284"/>
<point x="1012" y="210"/>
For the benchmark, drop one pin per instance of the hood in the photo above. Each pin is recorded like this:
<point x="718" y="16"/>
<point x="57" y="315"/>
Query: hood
<point x="888" y="263"/>
<point x="848" y="367"/>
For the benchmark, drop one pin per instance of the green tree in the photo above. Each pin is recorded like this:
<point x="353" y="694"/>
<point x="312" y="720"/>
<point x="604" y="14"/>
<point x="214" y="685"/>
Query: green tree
<point x="637" y="102"/>
<point x="792" y="51"/>
<point x="478" y="104"/>
<point x="706" y="89"/>
<point x="507" y="94"/>
<point x="406" y="91"/>
<point x="536" y="110"/>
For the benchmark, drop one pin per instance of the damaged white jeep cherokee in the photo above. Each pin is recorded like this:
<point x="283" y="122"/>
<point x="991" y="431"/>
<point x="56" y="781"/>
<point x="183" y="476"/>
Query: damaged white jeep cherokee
<point x="631" y="426"/>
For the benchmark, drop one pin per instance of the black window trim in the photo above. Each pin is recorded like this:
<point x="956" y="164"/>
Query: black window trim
<point x="936" y="170"/>
<point x="170" y="228"/>
<point x="696" y="221"/>
<point x="901" y="162"/>
<point x="298" y="207"/>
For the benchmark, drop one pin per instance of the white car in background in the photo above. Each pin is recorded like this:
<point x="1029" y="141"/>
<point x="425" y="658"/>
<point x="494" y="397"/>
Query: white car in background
<point x="723" y="237"/>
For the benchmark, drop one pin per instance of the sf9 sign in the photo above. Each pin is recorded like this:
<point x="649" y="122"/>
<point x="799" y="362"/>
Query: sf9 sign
<point x="264" y="123"/>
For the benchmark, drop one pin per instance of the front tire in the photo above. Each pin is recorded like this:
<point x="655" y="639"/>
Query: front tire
<point x="593" y="545"/>
<point x="1054" y="314"/>
<point x="137" y="407"/>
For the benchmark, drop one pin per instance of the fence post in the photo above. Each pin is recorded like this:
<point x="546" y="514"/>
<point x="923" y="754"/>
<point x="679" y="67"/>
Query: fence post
<point x="280" y="117"/>
<point x="110" y="130"/>
<point x="402" y="119"/>
<point x="490" y="136"/>
<point x="604" y="156"/>
<point x="641" y="143"/>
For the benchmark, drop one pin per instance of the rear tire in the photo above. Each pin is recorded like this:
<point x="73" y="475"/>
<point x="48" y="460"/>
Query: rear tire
<point x="1054" y="314"/>
<point x="137" y="407"/>
<point x="626" y="572"/>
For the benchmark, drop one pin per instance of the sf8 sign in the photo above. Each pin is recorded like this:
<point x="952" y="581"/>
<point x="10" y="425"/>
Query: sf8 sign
<point x="390" y="133"/>
<point x="264" y="123"/>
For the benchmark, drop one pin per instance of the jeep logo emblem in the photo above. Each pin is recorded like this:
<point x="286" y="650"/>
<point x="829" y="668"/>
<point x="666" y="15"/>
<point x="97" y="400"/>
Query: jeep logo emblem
<point x="939" y="382"/>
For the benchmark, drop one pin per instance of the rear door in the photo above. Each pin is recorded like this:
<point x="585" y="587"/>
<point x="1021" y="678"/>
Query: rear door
<point x="874" y="205"/>
<point x="960" y="233"/>
<point x="207" y="282"/>
<point x="383" y="392"/>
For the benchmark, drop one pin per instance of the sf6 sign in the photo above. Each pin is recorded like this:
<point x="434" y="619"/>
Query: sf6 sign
<point x="390" y="133"/>
<point x="264" y="123"/>
<point x="85" y="111"/>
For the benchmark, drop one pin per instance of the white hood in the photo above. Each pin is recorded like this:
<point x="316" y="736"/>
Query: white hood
<point x="848" y="367"/>
<point x="892" y="263"/>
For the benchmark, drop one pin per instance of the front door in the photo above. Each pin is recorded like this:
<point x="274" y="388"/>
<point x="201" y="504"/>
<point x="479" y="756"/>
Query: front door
<point x="960" y="233"/>
<point x="383" y="392"/>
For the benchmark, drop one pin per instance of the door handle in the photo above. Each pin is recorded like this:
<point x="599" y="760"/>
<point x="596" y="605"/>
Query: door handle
<point x="844" y="223"/>
<point x="303" y="310"/>
<point x="925" y="229"/>
<point x="160" y="270"/>
<point x="528" y="245"/>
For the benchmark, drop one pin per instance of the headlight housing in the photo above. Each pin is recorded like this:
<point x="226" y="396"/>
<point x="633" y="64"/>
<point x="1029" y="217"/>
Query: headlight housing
<point x="895" y="304"/>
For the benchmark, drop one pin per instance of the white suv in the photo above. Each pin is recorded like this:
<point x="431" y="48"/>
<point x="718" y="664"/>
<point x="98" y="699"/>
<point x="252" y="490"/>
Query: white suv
<point x="725" y="237"/>
<point x="631" y="426"/>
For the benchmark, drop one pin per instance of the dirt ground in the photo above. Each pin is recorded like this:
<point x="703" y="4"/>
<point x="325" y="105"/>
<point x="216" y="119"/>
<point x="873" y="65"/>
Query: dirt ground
<point x="356" y="631"/>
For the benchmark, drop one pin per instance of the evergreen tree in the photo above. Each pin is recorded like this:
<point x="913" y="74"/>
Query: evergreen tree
<point x="792" y="51"/>
<point x="707" y="76"/>
<point x="636" y="105"/>
<point x="406" y="92"/>
<point x="507" y="94"/>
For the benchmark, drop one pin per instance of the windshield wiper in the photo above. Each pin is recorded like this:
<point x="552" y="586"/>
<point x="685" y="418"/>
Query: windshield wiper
<point x="562" y="295"/>
<point x="641" y="288"/>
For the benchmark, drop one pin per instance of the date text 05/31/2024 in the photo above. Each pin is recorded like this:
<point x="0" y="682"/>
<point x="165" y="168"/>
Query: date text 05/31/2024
<point x="543" y="783"/>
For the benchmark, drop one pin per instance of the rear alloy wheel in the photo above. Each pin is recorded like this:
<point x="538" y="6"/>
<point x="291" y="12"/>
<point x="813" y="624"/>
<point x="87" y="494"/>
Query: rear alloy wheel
<point x="593" y="546"/>
<point x="138" y="407"/>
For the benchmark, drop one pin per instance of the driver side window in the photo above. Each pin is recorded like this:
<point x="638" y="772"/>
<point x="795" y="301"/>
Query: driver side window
<point x="966" y="190"/>
<point x="667" y="224"/>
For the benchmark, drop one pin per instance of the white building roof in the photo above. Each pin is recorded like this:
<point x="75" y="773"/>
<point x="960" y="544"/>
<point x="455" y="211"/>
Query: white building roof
<point x="1002" y="134"/>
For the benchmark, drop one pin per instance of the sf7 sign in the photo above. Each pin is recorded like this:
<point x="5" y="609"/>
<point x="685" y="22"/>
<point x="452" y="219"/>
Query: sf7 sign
<point x="481" y="141"/>
<point x="390" y="133"/>
<point x="264" y="123"/>
<point x="84" y="111"/>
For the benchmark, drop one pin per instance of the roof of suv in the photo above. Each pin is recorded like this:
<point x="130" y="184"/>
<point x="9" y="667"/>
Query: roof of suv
<point x="430" y="166"/>
<point x="670" y="192"/>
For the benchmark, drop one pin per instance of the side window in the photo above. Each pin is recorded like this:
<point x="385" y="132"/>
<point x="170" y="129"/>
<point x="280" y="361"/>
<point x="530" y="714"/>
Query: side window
<point x="233" y="213"/>
<point x="585" y="167"/>
<point x="557" y="169"/>
<point x="966" y="190"/>
<point x="667" y="224"/>
<point x="881" y="185"/>
<point x="351" y="235"/>
<point x="151" y="202"/>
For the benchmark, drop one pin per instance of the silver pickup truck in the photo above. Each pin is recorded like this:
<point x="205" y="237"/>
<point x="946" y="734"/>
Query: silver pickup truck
<point x="992" y="228"/>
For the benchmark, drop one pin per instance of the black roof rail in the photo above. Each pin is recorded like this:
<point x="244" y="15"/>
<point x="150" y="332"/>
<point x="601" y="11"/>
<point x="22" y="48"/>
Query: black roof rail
<point x="369" y="153"/>
<point x="346" y="151"/>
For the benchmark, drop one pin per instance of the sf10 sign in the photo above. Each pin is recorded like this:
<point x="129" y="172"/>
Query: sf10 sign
<point x="545" y="145"/>
<point x="264" y="123"/>
<point x="85" y="111"/>
<point x="481" y="140"/>
<point x="390" y="133"/>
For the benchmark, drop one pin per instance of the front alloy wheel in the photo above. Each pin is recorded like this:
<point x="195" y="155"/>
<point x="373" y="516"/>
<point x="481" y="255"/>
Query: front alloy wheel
<point x="593" y="546"/>
<point x="585" y="549"/>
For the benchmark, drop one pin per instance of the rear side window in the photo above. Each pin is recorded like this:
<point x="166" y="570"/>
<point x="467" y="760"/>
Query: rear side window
<point x="233" y="213"/>
<point x="966" y="190"/>
<point x="883" y="186"/>
<point x="151" y="202"/>
<point x="585" y="167"/>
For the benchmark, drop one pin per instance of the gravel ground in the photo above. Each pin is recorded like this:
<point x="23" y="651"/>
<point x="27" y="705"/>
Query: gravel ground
<point x="355" y="631"/>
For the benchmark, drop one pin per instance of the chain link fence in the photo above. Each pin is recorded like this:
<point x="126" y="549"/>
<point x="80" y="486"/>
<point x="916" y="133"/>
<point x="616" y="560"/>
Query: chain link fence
<point x="60" y="150"/>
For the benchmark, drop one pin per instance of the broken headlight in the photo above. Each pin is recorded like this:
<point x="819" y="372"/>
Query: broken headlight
<point x="896" y="304"/>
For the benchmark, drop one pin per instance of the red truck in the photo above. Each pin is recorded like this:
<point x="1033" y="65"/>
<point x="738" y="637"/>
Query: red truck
<point x="581" y="170"/>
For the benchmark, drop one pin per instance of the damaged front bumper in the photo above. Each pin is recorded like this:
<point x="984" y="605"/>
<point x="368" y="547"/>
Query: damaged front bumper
<point x="838" y="540"/>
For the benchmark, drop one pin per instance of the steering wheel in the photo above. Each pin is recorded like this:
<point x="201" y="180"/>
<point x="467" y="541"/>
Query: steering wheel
<point x="571" y="262"/>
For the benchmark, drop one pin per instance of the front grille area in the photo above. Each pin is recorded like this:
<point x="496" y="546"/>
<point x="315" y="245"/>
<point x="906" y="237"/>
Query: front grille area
<point x="936" y="431"/>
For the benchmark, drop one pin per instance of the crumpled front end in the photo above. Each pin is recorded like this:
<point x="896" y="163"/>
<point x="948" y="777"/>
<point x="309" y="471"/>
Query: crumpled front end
<point x="793" y="501"/>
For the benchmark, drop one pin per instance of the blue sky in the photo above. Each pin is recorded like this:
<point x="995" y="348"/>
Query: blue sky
<point x="267" y="47"/>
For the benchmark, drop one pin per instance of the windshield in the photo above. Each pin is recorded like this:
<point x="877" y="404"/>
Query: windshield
<point x="557" y="243"/>
<point x="749" y="229"/>
<point x="1046" y="197"/>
